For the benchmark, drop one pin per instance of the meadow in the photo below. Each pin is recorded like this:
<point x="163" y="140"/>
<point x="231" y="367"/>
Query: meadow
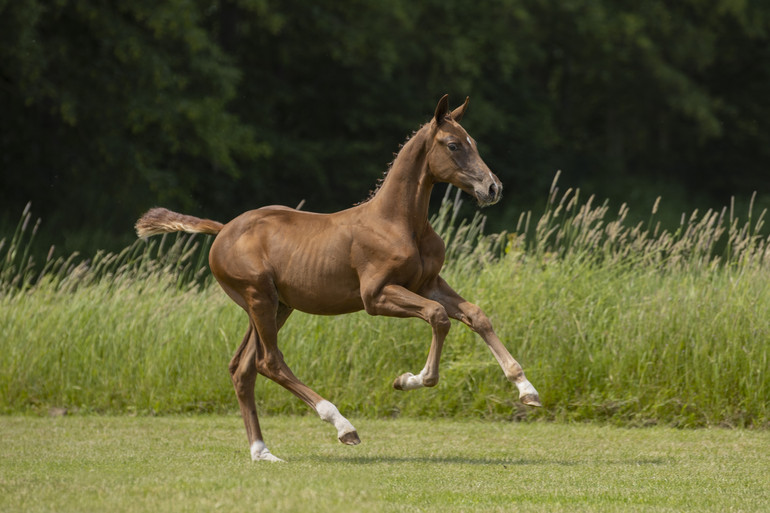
<point x="201" y="463"/>
<point x="613" y="321"/>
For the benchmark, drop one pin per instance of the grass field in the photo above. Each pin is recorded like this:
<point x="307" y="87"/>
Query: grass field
<point x="201" y="463"/>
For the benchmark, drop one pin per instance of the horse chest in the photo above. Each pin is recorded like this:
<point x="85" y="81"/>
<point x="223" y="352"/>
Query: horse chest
<point x="421" y="266"/>
<point x="409" y="258"/>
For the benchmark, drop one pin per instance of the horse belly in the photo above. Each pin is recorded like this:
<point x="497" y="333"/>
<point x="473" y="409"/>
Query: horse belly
<point x="320" y="300"/>
<point x="318" y="279"/>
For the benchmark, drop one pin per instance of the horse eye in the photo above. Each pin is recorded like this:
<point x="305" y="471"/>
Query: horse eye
<point x="452" y="146"/>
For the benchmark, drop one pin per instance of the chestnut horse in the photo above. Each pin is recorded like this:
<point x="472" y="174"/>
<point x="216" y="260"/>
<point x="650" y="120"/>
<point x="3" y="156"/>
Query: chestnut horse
<point x="381" y="256"/>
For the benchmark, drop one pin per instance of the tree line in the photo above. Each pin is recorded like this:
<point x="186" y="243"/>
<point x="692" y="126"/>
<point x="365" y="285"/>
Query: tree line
<point x="214" y="107"/>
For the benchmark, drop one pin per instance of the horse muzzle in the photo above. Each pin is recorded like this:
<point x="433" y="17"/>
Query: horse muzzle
<point x="489" y="191"/>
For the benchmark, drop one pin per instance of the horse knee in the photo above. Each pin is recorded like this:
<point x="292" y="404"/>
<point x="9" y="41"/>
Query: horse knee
<point x="478" y="320"/>
<point x="439" y="319"/>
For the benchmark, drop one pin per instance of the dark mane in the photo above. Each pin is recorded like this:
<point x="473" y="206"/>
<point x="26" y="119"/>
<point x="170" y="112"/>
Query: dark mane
<point x="381" y="180"/>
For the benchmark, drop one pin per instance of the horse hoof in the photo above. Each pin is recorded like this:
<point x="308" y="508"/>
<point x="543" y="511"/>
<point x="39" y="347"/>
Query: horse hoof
<point x="531" y="400"/>
<point x="261" y="453"/>
<point x="408" y="381"/>
<point x="350" y="438"/>
<point x="402" y="382"/>
<point x="271" y="458"/>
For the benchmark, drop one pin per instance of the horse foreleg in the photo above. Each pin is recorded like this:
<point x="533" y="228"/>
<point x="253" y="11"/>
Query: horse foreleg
<point x="473" y="316"/>
<point x="396" y="301"/>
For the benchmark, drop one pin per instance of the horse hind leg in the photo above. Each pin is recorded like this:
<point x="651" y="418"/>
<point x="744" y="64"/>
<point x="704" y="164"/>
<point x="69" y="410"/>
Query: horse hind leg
<point x="272" y="365"/>
<point x="243" y="372"/>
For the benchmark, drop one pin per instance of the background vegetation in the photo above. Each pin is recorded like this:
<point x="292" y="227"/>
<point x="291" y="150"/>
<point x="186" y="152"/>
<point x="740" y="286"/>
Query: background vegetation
<point x="612" y="321"/>
<point x="218" y="106"/>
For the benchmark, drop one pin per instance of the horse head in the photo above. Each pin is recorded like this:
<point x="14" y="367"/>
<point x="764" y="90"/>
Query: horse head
<point x="453" y="156"/>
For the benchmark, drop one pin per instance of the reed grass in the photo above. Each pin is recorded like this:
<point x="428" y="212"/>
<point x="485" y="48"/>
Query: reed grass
<point x="630" y="324"/>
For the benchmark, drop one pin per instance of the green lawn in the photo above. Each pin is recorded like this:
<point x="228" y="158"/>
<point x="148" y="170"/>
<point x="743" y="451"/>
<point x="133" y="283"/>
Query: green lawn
<point x="201" y="463"/>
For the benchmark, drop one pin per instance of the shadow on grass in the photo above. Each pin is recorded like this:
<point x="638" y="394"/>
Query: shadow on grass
<point x="459" y="460"/>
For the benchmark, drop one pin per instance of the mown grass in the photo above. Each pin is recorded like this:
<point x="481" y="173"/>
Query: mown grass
<point x="630" y="324"/>
<point x="201" y="463"/>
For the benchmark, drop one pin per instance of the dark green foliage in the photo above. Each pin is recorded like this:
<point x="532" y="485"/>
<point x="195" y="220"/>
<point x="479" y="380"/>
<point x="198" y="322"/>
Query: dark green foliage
<point x="216" y="107"/>
<point x="110" y="108"/>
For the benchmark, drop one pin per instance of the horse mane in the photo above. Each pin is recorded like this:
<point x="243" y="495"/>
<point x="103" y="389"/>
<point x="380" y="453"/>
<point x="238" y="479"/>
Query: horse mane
<point x="381" y="180"/>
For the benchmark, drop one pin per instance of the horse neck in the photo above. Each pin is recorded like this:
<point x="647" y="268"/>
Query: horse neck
<point x="404" y="196"/>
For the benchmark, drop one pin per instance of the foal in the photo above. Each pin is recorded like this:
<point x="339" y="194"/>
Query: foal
<point x="381" y="256"/>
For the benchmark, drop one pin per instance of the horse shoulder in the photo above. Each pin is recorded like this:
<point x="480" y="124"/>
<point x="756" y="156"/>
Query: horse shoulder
<point x="382" y="250"/>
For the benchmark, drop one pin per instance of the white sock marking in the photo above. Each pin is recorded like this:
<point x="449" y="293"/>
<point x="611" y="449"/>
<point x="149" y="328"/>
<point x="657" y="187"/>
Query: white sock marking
<point x="413" y="382"/>
<point x="525" y="387"/>
<point x="328" y="412"/>
<point x="259" y="452"/>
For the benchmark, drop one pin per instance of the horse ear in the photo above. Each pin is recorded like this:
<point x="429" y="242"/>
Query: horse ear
<point x="441" y="109"/>
<point x="458" y="113"/>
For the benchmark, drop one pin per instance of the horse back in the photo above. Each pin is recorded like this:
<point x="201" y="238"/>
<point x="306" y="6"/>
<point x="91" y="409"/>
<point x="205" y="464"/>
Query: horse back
<point x="303" y="256"/>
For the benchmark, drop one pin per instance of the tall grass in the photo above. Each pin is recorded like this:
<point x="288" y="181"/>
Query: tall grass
<point x="632" y="324"/>
<point x="183" y="257"/>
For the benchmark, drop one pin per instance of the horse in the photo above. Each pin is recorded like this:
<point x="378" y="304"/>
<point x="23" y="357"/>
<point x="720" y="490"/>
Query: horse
<point x="381" y="256"/>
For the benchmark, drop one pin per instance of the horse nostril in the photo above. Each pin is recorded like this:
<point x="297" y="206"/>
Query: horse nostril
<point x="493" y="190"/>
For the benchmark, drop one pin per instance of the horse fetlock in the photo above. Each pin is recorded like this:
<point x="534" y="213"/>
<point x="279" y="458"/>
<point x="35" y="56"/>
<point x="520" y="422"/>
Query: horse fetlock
<point x="527" y="393"/>
<point x="408" y="381"/>
<point x="514" y="373"/>
<point x="345" y="431"/>
<point x="259" y="452"/>
<point x="430" y="381"/>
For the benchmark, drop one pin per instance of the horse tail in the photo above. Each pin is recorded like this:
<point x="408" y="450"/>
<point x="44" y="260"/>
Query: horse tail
<point x="161" y="220"/>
